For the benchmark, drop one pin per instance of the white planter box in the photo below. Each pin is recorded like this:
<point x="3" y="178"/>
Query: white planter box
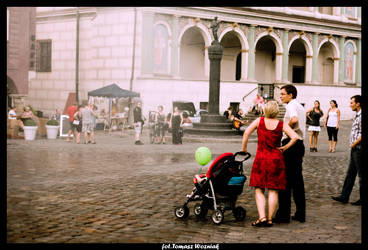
<point x="30" y="132"/>
<point x="52" y="131"/>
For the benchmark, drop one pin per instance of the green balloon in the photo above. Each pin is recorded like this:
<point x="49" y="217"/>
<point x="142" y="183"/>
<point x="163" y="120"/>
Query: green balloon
<point x="203" y="155"/>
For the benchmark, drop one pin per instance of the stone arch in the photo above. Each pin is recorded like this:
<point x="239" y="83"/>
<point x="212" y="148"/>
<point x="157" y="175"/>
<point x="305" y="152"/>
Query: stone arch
<point x="309" y="54"/>
<point x="306" y="42"/>
<point x="279" y="50"/>
<point x="203" y="30"/>
<point x="335" y="45"/>
<point x="274" y="37"/>
<point x="242" y="38"/>
<point x="353" y="42"/>
<point x="207" y="42"/>
<point x="336" y="54"/>
<point x="240" y="57"/>
<point x="166" y="25"/>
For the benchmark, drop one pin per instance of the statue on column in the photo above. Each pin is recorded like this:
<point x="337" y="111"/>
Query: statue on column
<point x="215" y="26"/>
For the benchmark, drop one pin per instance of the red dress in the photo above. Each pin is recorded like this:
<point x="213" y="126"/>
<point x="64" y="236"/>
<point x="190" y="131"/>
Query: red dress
<point x="268" y="169"/>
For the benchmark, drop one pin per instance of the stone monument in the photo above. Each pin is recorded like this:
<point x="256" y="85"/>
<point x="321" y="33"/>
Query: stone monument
<point x="213" y="123"/>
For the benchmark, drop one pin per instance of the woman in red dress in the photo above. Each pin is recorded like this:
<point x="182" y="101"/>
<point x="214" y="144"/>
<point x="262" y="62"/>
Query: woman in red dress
<point x="268" y="169"/>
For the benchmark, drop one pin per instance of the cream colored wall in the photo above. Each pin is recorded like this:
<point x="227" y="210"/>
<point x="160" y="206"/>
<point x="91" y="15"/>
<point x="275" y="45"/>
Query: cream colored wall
<point x="325" y="69"/>
<point x="192" y="62"/>
<point x="228" y="64"/>
<point x="265" y="67"/>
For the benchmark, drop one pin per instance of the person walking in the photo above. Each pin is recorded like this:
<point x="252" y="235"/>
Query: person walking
<point x="161" y="125"/>
<point x="87" y="124"/>
<point x="295" y="118"/>
<point x="77" y="124"/>
<point x="176" y="123"/>
<point x="332" y="123"/>
<point x="314" y="115"/>
<point x="268" y="170"/>
<point x="138" y="123"/>
<point x="70" y="111"/>
<point x="355" y="165"/>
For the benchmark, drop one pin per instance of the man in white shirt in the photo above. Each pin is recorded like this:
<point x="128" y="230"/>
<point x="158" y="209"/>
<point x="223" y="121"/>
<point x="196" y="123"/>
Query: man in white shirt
<point x="295" y="118"/>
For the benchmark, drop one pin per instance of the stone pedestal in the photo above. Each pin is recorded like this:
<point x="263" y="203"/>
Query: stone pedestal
<point x="215" y="56"/>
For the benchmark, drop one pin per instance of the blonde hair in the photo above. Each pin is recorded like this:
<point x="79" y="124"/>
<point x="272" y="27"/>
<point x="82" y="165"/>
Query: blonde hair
<point x="271" y="109"/>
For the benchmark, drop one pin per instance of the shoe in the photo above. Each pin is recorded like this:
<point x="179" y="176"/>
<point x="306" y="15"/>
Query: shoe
<point x="311" y="150"/>
<point x="262" y="222"/>
<point x="315" y="150"/>
<point x="138" y="143"/>
<point x="339" y="199"/>
<point x="357" y="203"/>
<point x="298" y="218"/>
<point x="281" y="220"/>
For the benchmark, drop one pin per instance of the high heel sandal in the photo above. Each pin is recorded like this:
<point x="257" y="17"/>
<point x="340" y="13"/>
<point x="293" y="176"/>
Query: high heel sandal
<point x="262" y="222"/>
<point x="269" y="223"/>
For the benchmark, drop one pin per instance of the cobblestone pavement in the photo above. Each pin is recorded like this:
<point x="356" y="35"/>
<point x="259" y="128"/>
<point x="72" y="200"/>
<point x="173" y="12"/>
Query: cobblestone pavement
<point x="114" y="191"/>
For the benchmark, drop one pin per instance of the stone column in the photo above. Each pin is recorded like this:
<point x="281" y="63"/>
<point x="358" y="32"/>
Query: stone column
<point x="285" y="56"/>
<point x="315" y="58"/>
<point x="147" y="42"/>
<point x="215" y="56"/>
<point x="175" y="47"/>
<point x="206" y="62"/>
<point x="308" y="68"/>
<point x="279" y="57"/>
<point x="358" y="64"/>
<point x="244" y="65"/>
<point x="341" y="60"/>
<point x="251" y="53"/>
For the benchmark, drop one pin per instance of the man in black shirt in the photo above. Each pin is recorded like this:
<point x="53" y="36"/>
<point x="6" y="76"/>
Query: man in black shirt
<point x="138" y="123"/>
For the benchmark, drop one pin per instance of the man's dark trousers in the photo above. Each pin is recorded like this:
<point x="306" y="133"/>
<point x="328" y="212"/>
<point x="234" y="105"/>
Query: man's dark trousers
<point x="293" y="158"/>
<point x="353" y="170"/>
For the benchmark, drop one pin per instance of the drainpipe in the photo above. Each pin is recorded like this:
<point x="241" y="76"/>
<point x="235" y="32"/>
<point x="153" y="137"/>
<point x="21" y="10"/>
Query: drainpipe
<point x="133" y="56"/>
<point x="130" y="117"/>
<point x="77" y="60"/>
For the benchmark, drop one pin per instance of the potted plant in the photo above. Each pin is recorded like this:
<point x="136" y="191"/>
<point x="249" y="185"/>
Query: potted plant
<point x="52" y="128"/>
<point x="30" y="129"/>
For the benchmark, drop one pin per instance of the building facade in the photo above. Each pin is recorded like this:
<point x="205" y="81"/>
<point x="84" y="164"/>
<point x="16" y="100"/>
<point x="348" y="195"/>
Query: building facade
<point x="162" y="53"/>
<point x="20" y="47"/>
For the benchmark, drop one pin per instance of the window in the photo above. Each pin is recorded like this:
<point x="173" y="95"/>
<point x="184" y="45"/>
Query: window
<point x="326" y="10"/>
<point x="43" y="60"/>
<point x="350" y="12"/>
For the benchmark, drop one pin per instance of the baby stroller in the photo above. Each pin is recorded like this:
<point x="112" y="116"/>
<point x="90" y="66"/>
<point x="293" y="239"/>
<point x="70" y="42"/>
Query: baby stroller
<point x="219" y="190"/>
<point x="152" y="125"/>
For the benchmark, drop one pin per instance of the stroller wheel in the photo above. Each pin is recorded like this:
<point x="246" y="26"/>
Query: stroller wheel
<point x="200" y="211"/>
<point x="217" y="216"/>
<point x="239" y="213"/>
<point x="182" y="212"/>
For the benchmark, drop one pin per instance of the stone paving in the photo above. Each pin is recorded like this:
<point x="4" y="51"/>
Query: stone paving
<point x="117" y="192"/>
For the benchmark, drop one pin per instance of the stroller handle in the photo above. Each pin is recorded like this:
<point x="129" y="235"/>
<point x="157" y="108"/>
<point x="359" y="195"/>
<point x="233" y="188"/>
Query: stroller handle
<point x="242" y="153"/>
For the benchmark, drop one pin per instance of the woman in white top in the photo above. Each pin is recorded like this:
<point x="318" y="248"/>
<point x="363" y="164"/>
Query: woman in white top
<point x="332" y="123"/>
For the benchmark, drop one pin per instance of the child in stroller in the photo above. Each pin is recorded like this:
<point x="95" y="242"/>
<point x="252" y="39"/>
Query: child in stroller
<point x="218" y="189"/>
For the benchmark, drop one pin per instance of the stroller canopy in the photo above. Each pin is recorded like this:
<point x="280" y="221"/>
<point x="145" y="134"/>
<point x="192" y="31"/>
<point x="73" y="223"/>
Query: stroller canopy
<point x="218" y="163"/>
